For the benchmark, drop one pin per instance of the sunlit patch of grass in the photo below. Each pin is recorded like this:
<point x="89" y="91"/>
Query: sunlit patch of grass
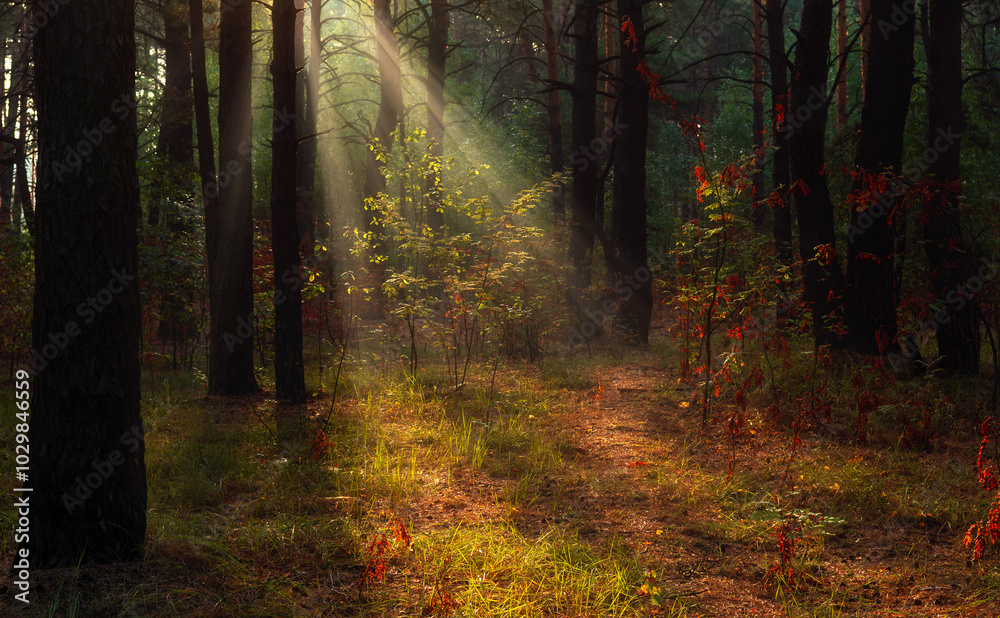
<point x="495" y="571"/>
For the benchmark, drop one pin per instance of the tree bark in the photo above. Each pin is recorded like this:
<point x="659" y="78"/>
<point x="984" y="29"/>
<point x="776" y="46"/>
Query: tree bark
<point x="871" y="274"/>
<point x="780" y="171"/>
<point x="87" y="470"/>
<point x="289" y="378"/>
<point x="437" y="52"/>
<point x="633" y="283"/>
<point x="232" y="316"/>
<point x="554" y="109"/>
<point x="306" y="123"/>
<point x="175" y="139"/>
<point x="206" y="148"/>
<point x="953" y="267"/>
<point x="809" y="105"/>
<point x="757" y="209"/>
<point x="586" y="179"/>
<point x="841" y="86"/>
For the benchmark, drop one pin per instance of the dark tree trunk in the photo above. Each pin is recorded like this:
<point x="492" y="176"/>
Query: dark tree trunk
<point x="289" y="378"/>
<point x="871" y="274"/>
<point x="232" y="316"/>
<point x="175" y="137"/>
<point x="757" y="209"/>
<point x="807" y="127"/>
<point x="628" y="218"/>
<point x="780" y="174"/>
<point x="953" y="268"/>
<point x="586" y="175"/>
<point x="175" y="145"/>
<point x="389" y="109"/>
<point x="437" y="53"/>
<point x="206" y="149"/>
<point x="309" y="148"/>
<point x="87" y="470"/>
<point x="305" y="131"/>
<point x="554" y="109"/>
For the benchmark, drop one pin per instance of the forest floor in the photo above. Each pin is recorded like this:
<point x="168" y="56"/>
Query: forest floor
<point x="578" y="486"/>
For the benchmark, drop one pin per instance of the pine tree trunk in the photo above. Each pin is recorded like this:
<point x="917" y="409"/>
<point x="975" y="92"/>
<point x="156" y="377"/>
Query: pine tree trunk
<point x="953" y="268"/>
<point x="289" y="378"/>
<point x="633" y="283"/>
<point x="305" y="130"/>
<point x="232" y="316"/>
<point x="586" y="178"/>
<point x="809" y="105"/>
<point x="780" y="172"/>
<point x="757" y="212"/>
<point x="871" y="274"/>
<point x="554" y="109"/>
<point x="206" y="148"/>
<point x="87" y="470"/>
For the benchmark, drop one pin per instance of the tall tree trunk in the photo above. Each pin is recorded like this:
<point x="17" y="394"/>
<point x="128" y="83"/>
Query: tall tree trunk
<point x="289" y="378"/>
<point x="780" y="172"/>
<point x="306" y="109"/>
<point x="586" y="177"/>
<point x="807" y="116"/>
<point x="389" y="109"/>
<point x="757" y="104"/>
<point x="175" y="145"/>
<point x="554" y="108"/>
<point x="206" y="149"/>
<point x="953" y="269"/>
<point x="871" y="274"/>
<point x="87" y="470"/>
<point x="611" y="70"/>
<point x="437" y="52"/>
<point x="310" y="147"/>
<point x="176" y="135"/>
<point x="232" y="316"/>
<point x="841" y="86"/>
<point x="628" y="225"/>
<point x="865" y="13"/>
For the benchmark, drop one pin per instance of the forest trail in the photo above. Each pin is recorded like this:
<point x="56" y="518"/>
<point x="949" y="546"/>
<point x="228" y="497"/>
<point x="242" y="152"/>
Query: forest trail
<point x="640" y="477"/>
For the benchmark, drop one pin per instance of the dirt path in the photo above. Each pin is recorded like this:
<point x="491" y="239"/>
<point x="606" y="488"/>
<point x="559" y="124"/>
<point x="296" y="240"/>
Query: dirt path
<point x="638" y="472"/>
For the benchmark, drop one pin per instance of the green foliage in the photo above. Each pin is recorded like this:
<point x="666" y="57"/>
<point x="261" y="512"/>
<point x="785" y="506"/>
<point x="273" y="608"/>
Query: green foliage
<point x="489" y="286"/>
